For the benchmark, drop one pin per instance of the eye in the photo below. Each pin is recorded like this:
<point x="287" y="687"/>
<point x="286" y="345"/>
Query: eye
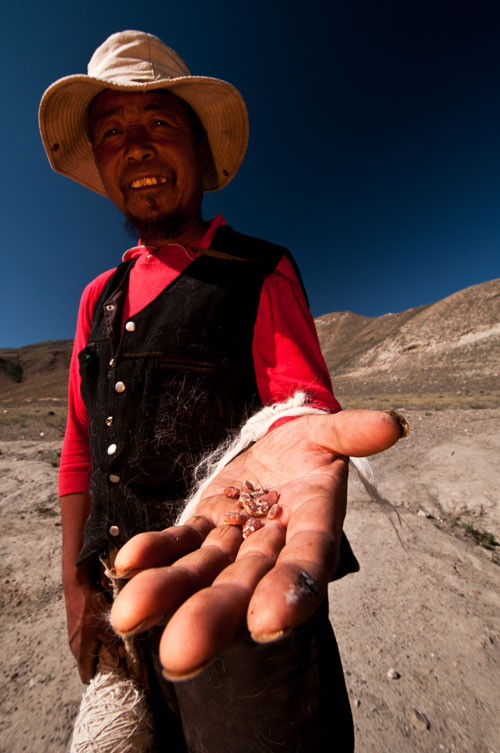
<point x="159" y="122"/>
<point x="106" y="134"/>
<point x="109" y="133"/>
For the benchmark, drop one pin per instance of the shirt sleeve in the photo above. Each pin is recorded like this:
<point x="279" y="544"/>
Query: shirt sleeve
<point x="75" y="465"/>
<point x="286" y="351"/>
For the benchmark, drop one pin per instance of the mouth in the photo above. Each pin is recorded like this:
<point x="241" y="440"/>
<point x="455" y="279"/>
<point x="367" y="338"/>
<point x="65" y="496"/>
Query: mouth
<point x="147" y="182"/>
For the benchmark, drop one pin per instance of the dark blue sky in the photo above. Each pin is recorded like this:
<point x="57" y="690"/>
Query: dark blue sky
<point x="374" y="147"/>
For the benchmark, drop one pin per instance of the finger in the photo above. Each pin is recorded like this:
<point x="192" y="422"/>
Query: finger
<point x="293" y="590"/>
<point x="93" y="625"/>
<point x="150" y="597"/>
<point x="160" y="548"/>
<point x="214" y="616"/>
<point x="359" y="432"/>
<point x="323" y="508"/>
<point x="154" y="594"/>
<point x="87" y="662"/>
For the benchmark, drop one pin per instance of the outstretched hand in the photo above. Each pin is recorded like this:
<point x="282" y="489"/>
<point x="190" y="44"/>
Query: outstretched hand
<point x="208" y="581"/>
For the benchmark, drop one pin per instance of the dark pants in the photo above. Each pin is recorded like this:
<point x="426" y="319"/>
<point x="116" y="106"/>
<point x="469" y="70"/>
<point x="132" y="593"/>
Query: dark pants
<point x="283" y="697"/>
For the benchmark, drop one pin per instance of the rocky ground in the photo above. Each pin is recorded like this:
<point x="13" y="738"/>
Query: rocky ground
<point x="418" y="627"/>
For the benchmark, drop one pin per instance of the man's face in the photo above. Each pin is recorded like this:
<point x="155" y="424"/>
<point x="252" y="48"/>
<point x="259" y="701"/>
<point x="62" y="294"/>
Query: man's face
<point x="147" y="157"/>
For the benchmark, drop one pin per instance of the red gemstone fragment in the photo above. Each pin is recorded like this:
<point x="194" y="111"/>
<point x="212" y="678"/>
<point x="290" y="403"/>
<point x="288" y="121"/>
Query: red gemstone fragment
<point x="270" y="497"/>
<point x="254" y="502"/>
<point x="255" y="507"/>
<point x="274" y="511"/>
<point x="231" y="491"/>
<point x="234" y="518"/>
<point x="252" y="525"/>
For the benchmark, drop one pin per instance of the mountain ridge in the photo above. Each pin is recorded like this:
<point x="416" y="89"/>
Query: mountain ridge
<point x="451" y="345"/>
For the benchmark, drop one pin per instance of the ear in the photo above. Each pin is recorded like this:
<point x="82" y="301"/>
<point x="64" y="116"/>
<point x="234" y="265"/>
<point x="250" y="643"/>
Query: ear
<point x="205" y="158"/>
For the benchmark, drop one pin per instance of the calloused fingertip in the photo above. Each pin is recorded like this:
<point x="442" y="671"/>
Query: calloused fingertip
<point x="278" y="635"/>
<point x="403" y="424"/>
<point x="185" y="675"/>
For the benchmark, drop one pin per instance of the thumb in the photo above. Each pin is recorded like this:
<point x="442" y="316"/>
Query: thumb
<point x="359" y="432"/>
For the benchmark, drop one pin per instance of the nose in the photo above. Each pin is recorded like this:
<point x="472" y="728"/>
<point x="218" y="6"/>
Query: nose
<point x="138" y="145"/>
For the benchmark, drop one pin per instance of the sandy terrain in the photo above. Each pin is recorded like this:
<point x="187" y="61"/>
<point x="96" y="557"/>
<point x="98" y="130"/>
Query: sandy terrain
<point x="429" y="611"/>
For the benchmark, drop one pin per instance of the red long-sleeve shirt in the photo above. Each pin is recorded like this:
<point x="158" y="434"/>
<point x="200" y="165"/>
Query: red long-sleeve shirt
<point x="285" y="346"/>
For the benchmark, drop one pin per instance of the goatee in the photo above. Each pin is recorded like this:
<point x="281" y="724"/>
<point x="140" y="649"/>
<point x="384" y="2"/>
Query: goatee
<point x="158" y="228"/>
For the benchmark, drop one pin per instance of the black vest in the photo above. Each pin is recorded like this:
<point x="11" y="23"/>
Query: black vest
<point x="171" y="387"/>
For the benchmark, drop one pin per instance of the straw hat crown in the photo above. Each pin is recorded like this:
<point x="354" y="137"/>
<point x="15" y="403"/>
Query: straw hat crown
<point x="138" y="61"/>
<point x="144" y="54"/>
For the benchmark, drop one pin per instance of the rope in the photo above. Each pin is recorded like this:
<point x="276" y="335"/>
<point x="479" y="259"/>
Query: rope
<point x="114" y="715"/>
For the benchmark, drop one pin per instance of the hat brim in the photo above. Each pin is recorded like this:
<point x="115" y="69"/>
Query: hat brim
<point x="63" y="123"/>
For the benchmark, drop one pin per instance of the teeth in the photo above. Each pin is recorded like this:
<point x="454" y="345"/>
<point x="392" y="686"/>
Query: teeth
<point x="140" y="182"/>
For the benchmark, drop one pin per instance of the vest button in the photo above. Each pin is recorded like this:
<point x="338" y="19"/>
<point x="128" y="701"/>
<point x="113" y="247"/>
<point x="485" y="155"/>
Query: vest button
<point x="111" y="449"/>
<point x="114" y="478"/>
<point x="130" y="326"/>
<point x="119" y="387"/>
<point x="112" y="362"/>
<point x="110" y="307"/>
<point x="109" y="421"/>
<point x="114" y="531"/>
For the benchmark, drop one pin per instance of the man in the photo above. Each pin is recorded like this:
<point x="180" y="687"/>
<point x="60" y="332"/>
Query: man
<point x="176" y="348"/>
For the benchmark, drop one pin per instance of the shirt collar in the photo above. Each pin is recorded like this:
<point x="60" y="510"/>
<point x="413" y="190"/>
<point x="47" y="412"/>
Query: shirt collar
<point x="204" y="242"/>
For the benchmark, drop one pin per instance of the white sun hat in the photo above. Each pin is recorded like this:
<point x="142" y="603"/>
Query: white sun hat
<point x="138" y="62"/>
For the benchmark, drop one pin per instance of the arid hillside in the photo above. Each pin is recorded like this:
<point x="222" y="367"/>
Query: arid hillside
<point x="451" y="346"/>
<point x="34" y="372"/>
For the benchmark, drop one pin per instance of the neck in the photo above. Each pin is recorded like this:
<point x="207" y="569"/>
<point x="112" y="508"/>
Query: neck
<point x="190" y="233"/>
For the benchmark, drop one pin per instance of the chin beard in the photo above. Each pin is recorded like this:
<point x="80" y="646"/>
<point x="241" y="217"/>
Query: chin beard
<point x="154" y="228"/>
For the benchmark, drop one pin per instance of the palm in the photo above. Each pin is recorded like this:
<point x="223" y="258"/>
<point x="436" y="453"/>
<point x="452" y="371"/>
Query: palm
<point x="274" y="579"/>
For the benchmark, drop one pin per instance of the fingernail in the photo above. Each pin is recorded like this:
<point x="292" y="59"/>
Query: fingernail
<point x="121" y="574"/>
<point x="186" y="676"/>
<point x="404" y="427"/>
<point x="270" y="637"/>
<point x="141" y="627"/>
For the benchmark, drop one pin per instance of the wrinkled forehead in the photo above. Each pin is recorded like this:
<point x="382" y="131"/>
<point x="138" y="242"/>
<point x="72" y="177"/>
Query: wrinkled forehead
<point x="112" y="102"/>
